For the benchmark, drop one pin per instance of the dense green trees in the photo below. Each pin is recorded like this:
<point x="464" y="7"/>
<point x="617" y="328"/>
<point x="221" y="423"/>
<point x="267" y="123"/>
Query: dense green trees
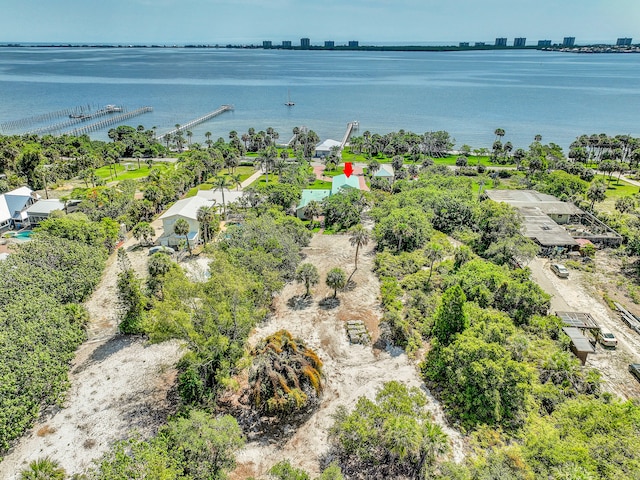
<point x="196" y="446"/>
<point x="391" y="437"/>
<point x="42" y="323"/>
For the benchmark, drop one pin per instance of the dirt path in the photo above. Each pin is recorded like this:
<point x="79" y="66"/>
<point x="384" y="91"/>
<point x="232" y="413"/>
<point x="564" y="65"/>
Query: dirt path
<point x="118" y="384"/>
<point x="576" y="294"/>
<point x="350" y="371"/>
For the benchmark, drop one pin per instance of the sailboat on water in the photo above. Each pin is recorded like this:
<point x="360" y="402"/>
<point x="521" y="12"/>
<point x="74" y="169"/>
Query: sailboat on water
<point x="289" y="103"/>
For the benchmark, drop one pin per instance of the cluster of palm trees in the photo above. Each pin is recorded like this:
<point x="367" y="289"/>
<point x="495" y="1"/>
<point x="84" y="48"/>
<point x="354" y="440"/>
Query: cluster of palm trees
<point x="432" y="144"/>
<point x="597" y="148"/>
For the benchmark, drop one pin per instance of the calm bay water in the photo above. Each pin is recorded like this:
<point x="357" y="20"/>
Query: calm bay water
<point x="469" y="94"/>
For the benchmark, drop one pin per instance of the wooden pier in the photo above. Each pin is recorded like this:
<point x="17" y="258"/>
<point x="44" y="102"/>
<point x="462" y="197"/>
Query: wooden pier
<point x="75" y="119"/>
<point x="29" y="122"/>
<point x="351" y="126"/>
<point x="302" y="129"/>
<point x="109" y="121"/>
<point x="197" y="121"/>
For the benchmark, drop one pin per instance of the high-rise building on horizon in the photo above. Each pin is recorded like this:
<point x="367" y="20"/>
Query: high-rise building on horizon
<point x="329" y="44"/>
<point x="479" y="44"/>
<point x="305" y="42"/>
<point x="519" y="42"/>
<point x="544" y="43"/>
<point x="354" y="43"/>
<point x="501" y="42"/>
<point x="463" y="44"/>
<point x="569" y="41"/>
<point x="286" y="44"/>
<point x="267" y="44"/>
<point x="623" y="42"/>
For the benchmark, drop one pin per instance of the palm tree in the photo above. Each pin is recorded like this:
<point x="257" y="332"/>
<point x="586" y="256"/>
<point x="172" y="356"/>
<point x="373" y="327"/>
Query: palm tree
<point x="181" y="227"/>
<point x="43" y="469"/>
<point x="336" y="279"/>
<point x="206" y="216"/>
<point x="236" y="180"/>
<point x="433" y="252"/>
<point x="499" y="132"/>
<point x="312" y="210"/>
<point x="209" y="142"/>
<point x="358" y="237"/>
<point x="189" y="136"/>
<point x="220" y="183"/>
<point x="307" y="273"/>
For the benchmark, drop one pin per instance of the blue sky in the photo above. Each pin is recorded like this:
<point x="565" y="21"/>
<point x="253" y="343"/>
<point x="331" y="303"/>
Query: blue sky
<point x="369" y="21"/>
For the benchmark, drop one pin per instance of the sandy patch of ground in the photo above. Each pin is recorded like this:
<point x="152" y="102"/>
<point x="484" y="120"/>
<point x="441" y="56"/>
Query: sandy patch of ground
<point x="118" y="385"/>
<point x="350" y="371"/>
<point x="582" y="292"/>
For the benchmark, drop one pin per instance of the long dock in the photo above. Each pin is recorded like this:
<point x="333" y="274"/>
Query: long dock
<point x="351" y="126"/>
<point x="28" y="122"/>
<point x="109" y="121"/>
<point x="197" y="121"/>
<point x="75" y="119"/>
<point x="302" y="129"/>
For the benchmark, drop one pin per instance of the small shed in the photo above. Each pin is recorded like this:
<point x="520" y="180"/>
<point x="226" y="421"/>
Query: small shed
<point x="580" y="345"/>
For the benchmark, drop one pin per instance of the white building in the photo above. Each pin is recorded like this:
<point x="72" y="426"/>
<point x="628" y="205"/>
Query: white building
<point x="324" y="148"/>
<point x="186" y="209"/>
<point x="41" y="210"/>
<point x="13" y="206"/>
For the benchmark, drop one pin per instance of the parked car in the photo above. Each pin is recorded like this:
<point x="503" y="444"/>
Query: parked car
<point x="161" y="249"/>
<point x="560" y="270"/>
<point x="634" y="368"/>
<point x="606" y="338"/>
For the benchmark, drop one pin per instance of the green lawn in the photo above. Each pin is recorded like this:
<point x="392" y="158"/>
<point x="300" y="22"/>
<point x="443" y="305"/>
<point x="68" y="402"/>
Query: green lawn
<point x="348" y="156"/>
<point x="194" y="191"/>
<point x="123" y="174"/>
<point x="319" y="185"/>
<point x="617" y="189"/>
<point x="244" y="172"/>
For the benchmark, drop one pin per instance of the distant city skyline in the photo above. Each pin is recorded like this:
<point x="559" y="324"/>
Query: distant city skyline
<point x="368" y="21"/>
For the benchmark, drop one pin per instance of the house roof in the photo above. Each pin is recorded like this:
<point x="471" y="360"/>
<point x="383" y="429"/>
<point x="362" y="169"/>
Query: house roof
<point x="309" y="195"/>
<point x="187" y="208"/>
<point x="543" y="229"/>
<point x="342" y="181"/>
<point x="230" y="196"/>
<point x="327" y="144"/>
<point x="45" y="207"/>
<point x="385" y="170"/>
<point x="13" y="203"/>
<point x="530" y="198"/>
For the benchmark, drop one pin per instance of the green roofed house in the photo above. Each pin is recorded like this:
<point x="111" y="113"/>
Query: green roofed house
<point x="308" y="196"/>
<point x="342" y="181"/>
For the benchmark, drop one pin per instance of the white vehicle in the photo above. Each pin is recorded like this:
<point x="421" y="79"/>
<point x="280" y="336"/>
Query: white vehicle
<point x="560" y="270"/>
<point x="606" y="338"/>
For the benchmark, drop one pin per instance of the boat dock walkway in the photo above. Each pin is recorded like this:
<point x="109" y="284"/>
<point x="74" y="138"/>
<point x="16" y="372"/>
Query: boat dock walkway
<point x="74" y="119"/>
<point x="302" y="129"/>
<point x="109" y="121"/>
<point x="351" y="126"/>
<point x="197" y="121"/>
<point x="29" y="122"/>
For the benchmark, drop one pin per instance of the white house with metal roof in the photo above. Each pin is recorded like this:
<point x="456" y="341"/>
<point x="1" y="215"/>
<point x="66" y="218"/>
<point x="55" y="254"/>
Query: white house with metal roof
<point x="324" y="149"/>
<point x="41" y="210"/>
<point x="13" y="206"/>
<point x="186" y="209"/>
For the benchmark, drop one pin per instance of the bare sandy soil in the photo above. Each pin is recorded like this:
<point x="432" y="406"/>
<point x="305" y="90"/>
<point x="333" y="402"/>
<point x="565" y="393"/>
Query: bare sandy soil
<point x="118" y="385"/>
<point x="351" y="371"/>
<point x="582" y="292"/>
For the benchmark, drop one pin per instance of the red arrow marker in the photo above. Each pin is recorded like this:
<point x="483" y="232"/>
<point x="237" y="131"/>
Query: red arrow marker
<point x="348" y="169"/>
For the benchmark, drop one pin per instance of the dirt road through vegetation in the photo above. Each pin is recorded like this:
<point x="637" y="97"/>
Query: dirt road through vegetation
<point x="118" y="385"/>
<point x="576" y="294"/>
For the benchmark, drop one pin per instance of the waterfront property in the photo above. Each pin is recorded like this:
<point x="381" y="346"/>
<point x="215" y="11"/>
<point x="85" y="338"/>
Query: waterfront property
<point x="13" y="206"/>
<point x="307" y="197"/>
<point x="324" y="148"/>
<point x="385" y="171"/>
<point x="186" y="209"/>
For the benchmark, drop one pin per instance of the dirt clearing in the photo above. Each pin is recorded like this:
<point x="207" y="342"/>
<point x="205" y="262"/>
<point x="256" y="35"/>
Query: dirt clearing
<point x="350" y="371"/>
<point x="579" y="293"/>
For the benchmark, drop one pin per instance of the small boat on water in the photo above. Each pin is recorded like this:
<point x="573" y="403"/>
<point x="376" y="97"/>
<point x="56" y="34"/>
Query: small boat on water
<point x="289" y="103"/>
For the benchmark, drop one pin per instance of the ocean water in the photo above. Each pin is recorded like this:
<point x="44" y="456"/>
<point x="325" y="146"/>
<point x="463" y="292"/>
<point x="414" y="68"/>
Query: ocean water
<point x="469" y="94"/>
